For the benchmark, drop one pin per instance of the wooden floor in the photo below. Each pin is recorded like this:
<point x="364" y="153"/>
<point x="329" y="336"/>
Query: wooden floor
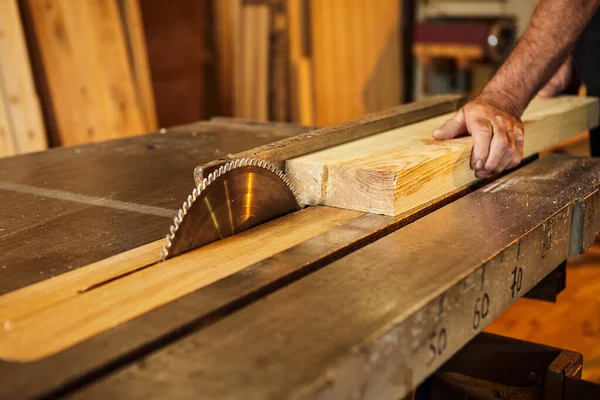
<point x="572" y="323"/>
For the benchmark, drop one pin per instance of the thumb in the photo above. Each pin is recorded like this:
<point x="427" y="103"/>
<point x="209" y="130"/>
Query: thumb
<point x="452" y="128"/>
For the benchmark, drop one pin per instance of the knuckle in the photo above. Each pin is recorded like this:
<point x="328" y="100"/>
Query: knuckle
<point x="503" y="145"/>
<point x="483" y="134"/>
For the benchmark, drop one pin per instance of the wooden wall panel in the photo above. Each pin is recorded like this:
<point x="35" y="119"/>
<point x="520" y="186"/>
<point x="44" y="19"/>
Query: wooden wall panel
<point x="22" y="123"/>
<point x="85" y="65"/>
<point x="356" y="57"/>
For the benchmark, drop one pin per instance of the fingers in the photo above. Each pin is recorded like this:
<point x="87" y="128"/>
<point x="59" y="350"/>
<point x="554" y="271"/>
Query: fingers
<point x="452" y="128"/>
<point x="482" y="133"/>
<point x="508" y="154"/>
<point x="497" y="136"/>
<point x="498" y="147"/>
<point x="519" y="140"/>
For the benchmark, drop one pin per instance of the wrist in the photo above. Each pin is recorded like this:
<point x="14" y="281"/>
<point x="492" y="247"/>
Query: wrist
<point x="503" y="101"/>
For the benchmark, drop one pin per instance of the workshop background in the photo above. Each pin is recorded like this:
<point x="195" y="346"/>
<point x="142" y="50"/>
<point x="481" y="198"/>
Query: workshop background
<point x="74" y="72"/>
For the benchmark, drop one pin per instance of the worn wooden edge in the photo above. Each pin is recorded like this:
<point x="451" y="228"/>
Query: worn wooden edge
<point x="320" y="139"/>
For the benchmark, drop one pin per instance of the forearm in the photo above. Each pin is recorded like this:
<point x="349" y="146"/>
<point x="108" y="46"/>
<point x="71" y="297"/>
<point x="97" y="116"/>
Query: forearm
<point x="551" y="35"/>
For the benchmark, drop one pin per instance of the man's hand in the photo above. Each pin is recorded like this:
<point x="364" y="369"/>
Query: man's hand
<point x="497" y="135"/>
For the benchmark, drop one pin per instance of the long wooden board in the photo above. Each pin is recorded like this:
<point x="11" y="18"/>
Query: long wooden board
<point x="136" y="44"/>
<point x="394" y="171"/>
<point x="45" y="318"/>
<point x="22" y="107"/>
<point x="252" y="83"/>
<point x="85" y="63"/>
<point x="7" y="142"/>
<point x="355" y="59"/>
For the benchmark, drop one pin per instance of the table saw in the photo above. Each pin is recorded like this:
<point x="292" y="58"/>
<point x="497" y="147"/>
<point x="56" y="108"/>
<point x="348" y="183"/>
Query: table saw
<point x="317" y="302"/>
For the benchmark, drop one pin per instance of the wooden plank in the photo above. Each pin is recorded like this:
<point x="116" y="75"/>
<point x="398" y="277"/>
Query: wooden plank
<point x="282" y="150"/>
<point x="21" y="102"/>
<point x="136" y="42"/>
<point x="370" y="70"/>
<point x="85" y="62"/>
<point x="252" y="84"/>
<point x="226" y="21"/>
<point x="7" y="143"/>
<point x="182" y="59"/>
<point x="279" y="65"/>
<point x="301" y="82"/>
<point x="394" y="171"/>
<point x="40" y="329"/>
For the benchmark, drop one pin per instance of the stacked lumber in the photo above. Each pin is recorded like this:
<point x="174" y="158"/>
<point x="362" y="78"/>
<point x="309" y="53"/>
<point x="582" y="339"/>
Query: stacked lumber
<point x="21" y="124"/>
<point x="312" y="62"/>
<point x="92" y="72"/>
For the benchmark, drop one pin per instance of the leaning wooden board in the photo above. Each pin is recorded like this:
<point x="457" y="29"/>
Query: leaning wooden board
<point x="394" y="171"/>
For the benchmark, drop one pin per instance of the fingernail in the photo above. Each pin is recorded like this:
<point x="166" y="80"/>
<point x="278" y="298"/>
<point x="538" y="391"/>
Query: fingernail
<point x="478" y="164"/>
<point x="436" y="132"/>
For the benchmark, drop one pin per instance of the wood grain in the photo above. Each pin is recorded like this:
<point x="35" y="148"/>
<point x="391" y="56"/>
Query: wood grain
<point x="301" y="81"/>
<point x="136" y="42"/>
<point x="7" y="142"/>
<point x="182" y="59"/>
<point x="45" y="329"/>
<point x="86" y="67"/>
<point x="394" y="171"/>
<point x="226" y="22"/>
<point x="252" y="85"/>
<point x="21" y="103"/>
<point x="353" y="75"/>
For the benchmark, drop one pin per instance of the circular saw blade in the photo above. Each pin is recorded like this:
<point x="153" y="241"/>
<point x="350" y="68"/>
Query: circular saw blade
<point x="236" y="197"/>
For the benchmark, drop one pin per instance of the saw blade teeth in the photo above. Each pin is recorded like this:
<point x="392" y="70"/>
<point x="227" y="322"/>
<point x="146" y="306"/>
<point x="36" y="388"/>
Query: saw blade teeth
<point x="238" y="163"/>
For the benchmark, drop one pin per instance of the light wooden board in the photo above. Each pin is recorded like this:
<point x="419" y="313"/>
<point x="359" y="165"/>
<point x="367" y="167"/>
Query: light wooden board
<point x="22" y="107"/>
<point x="252" y="87"/>
<point x="226" y="22"/>
<point x="85" y="63"/>
<point x="7" y="143"/>
<point x="134" y="28"/>
<point x="301" y="81"/>
<point x="58" y="313"/>
<point x="356" y="58"/>
<point x="394" y="171"/>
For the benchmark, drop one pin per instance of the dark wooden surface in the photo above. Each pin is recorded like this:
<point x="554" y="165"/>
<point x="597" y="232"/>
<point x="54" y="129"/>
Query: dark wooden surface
<point x="41" y="237"/>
